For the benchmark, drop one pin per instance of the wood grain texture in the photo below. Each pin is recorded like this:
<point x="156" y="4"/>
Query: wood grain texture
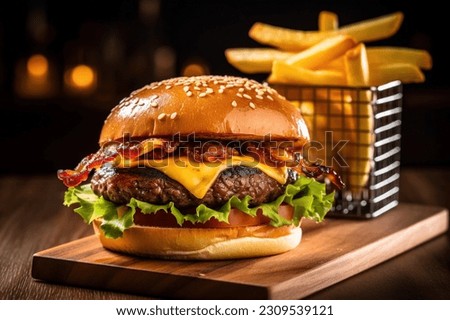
<point x="32" y="218"/>
<point x="329" y="253"/>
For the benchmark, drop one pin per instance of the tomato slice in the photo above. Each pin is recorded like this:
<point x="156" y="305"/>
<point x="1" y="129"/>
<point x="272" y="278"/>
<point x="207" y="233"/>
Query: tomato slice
<point x="237" y="218"/>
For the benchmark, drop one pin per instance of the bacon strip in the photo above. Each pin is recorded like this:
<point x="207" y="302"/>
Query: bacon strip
<point x="316" y="171"/>
<point x="118" y="153"/>
<point x="72" y="178"/>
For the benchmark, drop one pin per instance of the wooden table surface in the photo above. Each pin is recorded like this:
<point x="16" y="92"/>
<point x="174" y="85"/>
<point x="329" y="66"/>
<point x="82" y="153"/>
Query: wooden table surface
<point x="32" y="218"/>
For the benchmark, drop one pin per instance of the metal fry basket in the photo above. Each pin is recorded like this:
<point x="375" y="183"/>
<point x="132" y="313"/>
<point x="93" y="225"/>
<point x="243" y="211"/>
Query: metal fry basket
<point x="357" y="131"/>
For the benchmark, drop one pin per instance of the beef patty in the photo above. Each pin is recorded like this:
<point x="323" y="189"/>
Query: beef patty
<point x="150" y="185"/>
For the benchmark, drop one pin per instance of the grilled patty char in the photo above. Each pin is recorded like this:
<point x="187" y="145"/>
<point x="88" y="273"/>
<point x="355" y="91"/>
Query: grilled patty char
<point x="150" y="185"/>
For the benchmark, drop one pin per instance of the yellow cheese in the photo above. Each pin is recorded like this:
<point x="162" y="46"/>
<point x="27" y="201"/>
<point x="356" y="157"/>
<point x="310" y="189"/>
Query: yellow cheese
<point x="198" y="177"/>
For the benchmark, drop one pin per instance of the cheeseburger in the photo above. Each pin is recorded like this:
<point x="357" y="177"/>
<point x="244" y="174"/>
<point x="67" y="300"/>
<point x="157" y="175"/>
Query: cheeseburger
<point x="206" y="167"/>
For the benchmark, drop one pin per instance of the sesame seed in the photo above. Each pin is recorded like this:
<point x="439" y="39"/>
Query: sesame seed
<point x="189" y="93"/>
<point x="209" y="90"/>
<point x="241" y="89"/>
<point x="154" y="104"/>
<point x="197" y="88"/>
<point x="202" y="94"/>
<point x="220" y="91"/>
<point x="252" y="105"/>
<point x="173" y="115"/>
<point x="161" y="116"/>
<point x="247" y="96"/>
<point x="259" y="97"/>
<point x="239" y="95"/>
<point x="234" y="104"/>
<point x="269" y="97"/>
<point x="186" y="88"/>
<point x="168" y="86"/>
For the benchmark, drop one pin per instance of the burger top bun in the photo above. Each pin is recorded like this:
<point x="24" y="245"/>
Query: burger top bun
<point x="231" y="107"/>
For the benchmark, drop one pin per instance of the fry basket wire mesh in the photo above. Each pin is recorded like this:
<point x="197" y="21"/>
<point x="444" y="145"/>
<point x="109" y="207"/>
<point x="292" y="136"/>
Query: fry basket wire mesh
<point x="357" y="131"/>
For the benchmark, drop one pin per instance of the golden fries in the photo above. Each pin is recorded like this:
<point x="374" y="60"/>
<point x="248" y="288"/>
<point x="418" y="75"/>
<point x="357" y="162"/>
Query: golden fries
<point x="332" y="56"/>
<point x="383" y="73"/>
<point x="388" y="55"/>
<point x="359" y="153"/>
<point x="286" y="39"/>
<point x="283" y="72"/>
<point x="326" y="53"/>
<point x="328" y="21"/>
<point x="357" y="66"/>
<point x="374" y="29"/>
<point x="295" y="40"/>
<point x="322" y="52"/>
<point x="255" y="60"/>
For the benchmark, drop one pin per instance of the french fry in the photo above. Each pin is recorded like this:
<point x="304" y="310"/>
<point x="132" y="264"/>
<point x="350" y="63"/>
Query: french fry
<point x="284" y="38"/>
<point x="296" y="40"/>
<point x="328" y="21"/>
<point x="374" y="29"/>
<point x="388" y="55"/>
<point x="254" y="60"/>
<point x="336" y="64"/>
<point x="322" y="52"/>
<point x="361" y="148"/>
<point x="283" y="72"/>
<point x="405" y="72"/>
<point x="356" y="66"/>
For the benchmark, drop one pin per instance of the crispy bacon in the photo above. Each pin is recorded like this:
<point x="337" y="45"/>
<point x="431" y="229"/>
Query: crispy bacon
<point x="114" y="153"/>
<point x="315" y="171"/>
<point x="73" y="178"/>
<point x="272" y="154"/>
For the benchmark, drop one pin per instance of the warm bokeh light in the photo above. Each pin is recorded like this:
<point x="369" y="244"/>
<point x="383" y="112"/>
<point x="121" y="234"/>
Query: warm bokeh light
<point x="164" y="62"/>
<point x="37" y="65"/>
<point x="195" y="69"/>
<point x="82" y="76"/>
<point x="35" y="77"/>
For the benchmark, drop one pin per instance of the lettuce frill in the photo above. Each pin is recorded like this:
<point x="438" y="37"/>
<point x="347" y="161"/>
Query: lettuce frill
<point x="307" y="196"/>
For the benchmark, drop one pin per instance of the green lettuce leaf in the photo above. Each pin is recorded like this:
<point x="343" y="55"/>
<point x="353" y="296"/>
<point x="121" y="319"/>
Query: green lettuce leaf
<point x="307" y="196"/>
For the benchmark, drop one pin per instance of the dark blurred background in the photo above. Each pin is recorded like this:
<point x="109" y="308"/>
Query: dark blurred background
<point x="65" y="64"/>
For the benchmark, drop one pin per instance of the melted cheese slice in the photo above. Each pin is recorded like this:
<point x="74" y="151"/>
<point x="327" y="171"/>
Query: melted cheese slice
<point x="197" y="177"/>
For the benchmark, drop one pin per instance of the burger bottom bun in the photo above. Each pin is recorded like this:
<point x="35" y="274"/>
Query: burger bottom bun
<point x="203" y="243"/>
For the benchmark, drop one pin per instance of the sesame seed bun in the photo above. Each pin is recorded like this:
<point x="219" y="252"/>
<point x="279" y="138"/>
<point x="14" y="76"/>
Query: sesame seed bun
<point x="208" y="107"/>
<point x="219" y="107"/>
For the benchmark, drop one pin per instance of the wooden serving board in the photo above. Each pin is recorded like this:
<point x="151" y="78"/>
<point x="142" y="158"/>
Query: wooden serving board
<point x="329" y="252"/>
